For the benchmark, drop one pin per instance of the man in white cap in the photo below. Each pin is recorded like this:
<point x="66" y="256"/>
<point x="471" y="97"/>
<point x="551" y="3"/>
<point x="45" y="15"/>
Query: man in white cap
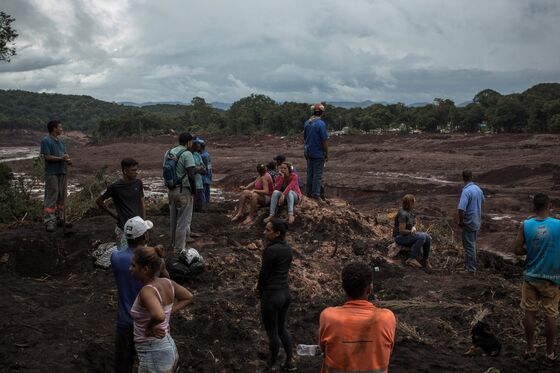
<point x="316" y="150"/>
<point x="136" y="232"/>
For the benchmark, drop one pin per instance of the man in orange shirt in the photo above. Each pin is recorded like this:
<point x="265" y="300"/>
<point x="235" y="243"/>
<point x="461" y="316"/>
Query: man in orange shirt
<point x="357" y="336"/>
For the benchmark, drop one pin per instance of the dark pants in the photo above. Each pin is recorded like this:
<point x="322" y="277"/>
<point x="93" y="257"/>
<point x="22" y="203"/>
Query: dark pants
<point x="206" y="193"/>
<point x="199" y="200"/>
<point x="124" y="350"/>
<point x="55" y="197"/>
<point x="314" y="176"/>
<point x="274" y="309"/>
<point x="419" y="240"/>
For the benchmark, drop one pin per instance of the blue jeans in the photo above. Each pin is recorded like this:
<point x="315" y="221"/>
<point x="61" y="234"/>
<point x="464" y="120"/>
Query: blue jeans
<point x="157" y="356"/>
<point x="419" y="240"/>
<point x="314" y="176"/>
<point x="290" y="199"/>
<point x="469" y="244"/>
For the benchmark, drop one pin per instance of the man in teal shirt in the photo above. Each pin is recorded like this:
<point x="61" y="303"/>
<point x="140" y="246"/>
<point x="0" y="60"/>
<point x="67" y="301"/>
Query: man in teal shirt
<point x="539" y="239"/>
<point x="56" y="159"/>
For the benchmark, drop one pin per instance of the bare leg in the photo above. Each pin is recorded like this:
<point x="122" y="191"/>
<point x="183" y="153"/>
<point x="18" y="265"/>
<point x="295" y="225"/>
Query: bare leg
<point x="529" y="324"/>
<point x="255" y="201"/>
<point x="242" y="200"/>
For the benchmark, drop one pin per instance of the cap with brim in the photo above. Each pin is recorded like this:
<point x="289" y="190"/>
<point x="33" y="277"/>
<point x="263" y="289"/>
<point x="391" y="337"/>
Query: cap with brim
<point x="136" y="227"/>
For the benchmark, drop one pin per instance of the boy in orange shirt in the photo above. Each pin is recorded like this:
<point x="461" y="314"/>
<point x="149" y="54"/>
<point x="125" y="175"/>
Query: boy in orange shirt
<point x="357" y="336"/>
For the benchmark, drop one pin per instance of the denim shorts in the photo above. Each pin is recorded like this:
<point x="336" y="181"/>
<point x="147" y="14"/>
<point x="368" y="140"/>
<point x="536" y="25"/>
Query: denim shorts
<point x="157" y="356"/>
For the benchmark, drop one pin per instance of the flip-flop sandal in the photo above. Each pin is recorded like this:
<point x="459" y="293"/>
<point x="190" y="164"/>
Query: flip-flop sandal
<point x="530" y="355"/>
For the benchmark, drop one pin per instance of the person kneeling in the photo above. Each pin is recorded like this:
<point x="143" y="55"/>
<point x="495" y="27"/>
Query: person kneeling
<point x="405" y="234"/>
<point x="286" y="190"/>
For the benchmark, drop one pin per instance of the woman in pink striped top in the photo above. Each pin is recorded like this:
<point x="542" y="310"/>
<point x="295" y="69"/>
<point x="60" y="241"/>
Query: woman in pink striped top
<point x="156" y="301"/>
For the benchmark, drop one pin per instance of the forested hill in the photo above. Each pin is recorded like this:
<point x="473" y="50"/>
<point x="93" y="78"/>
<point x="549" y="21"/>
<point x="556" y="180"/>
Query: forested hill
<point x="535" y="110"/>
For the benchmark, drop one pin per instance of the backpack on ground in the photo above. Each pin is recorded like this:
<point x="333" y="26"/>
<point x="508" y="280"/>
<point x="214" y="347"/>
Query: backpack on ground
<point x="170" y="178"/>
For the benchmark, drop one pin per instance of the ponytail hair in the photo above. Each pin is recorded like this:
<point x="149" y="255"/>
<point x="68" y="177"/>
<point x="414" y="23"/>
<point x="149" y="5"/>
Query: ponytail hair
<point x="150" y="257"/>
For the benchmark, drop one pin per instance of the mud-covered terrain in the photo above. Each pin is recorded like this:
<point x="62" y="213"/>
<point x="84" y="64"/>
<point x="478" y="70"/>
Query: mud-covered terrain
<point x="59" y="309"/>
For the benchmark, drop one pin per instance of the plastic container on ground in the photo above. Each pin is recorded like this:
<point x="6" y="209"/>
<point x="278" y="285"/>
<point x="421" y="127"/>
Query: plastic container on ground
<point x="308" y="350"/>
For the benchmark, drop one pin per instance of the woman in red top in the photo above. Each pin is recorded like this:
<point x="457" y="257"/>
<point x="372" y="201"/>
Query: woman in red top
<point x="286" y="190"/>
<point x="257" y="192"/>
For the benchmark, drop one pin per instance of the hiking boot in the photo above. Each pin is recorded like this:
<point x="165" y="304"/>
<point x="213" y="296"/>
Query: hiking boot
<point x="51" y="226"/>
<point x="413" y="263"/>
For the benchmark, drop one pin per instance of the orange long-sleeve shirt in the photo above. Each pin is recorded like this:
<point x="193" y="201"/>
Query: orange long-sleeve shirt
<point x="356" y="336"/>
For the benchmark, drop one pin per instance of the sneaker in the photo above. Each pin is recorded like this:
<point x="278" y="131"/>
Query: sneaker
<point x="51" y="226"/>
<point x="413" y="263"/>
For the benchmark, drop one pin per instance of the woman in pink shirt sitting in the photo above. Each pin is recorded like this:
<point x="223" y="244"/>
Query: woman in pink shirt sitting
<point x="257" y="192"/>
<point x="286" y="190"/>
<point x="156" y="301"/>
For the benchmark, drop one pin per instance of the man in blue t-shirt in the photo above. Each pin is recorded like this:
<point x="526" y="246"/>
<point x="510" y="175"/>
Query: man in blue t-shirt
<point x="539" y="239"/>
<point x="207" y="177"/>
<point x="316" y="150"/>
<point x="56" y="159"/>
<point x="470" y="216"/>
<point x="136" y="231"/>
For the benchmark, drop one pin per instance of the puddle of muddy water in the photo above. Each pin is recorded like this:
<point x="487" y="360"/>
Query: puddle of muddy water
<point x="432" y="179"/>
<point x="18" y="153"/>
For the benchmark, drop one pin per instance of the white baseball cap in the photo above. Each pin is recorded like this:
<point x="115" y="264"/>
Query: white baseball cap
<point x="136" y="227"/>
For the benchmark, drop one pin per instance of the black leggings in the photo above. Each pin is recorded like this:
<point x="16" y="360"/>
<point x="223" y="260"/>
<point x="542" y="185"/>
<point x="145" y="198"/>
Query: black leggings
<point x="274" y="309"/>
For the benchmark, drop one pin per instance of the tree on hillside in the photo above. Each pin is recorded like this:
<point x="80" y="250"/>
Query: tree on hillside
<point x="250" y="114"/>
<point x="508" y="115"/>
<point x="487" y="98"/>
<point x="7" y="37"/>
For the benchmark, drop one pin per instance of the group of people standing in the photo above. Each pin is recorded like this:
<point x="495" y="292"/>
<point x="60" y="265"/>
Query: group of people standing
<point x="147" y="297"/>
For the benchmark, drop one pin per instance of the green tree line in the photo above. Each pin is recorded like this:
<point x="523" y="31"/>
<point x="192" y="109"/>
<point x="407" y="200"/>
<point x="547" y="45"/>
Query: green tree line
<point x="535" y="110"/>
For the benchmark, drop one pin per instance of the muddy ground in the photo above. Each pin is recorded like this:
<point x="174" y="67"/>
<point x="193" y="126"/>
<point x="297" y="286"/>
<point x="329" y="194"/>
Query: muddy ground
<point x="59" y="309"/>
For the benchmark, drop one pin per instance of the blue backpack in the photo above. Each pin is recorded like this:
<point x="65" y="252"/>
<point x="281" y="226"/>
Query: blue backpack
<point x="170" y="178"/>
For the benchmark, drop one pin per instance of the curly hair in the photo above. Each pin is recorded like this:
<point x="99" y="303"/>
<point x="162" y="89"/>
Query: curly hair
<point x="356" y="277"/>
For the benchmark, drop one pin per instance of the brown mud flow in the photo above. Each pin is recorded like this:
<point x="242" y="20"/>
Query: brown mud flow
<point x="59" y="310"/>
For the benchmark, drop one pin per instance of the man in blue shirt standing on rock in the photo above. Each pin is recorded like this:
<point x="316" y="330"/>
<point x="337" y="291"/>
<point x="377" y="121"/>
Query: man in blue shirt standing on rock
<point x="316" y="150"/>
<point x="539" y="239"/>
<point x="54" y="154"/>
<point x="470" y="211"/>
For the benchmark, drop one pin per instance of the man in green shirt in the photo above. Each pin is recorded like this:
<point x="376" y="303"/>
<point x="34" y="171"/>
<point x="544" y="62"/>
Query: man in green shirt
<point x="181" y="197"/>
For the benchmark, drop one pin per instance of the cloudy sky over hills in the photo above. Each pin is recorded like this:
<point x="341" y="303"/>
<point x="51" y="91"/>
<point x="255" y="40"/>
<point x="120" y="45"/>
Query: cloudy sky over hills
<point x="223" y="50"/>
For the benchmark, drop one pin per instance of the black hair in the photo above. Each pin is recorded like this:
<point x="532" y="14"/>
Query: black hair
<point x="279" y="226"/>
<point x="541" y="202"/>
<point x="261" y="169"/>
<point x="280" y="158"/>
<point x="271" y="166"/>
<point x="467" y="175"/>
<point x="317" y="113"/>
<point x="356" y="277"/>
<point x="184" y="138"/>
<point x="52" y="125"/>
<point x="128" y="162"/>
<point x="133" y="242"/>
<point x="203" y="146"/>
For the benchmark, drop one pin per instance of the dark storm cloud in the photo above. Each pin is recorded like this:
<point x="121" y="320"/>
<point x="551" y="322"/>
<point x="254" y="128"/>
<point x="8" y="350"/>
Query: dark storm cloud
<point x="403" y="50"/>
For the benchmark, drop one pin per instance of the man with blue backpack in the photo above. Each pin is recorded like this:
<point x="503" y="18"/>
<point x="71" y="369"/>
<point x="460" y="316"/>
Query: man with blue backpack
<point x="179" y="178"/>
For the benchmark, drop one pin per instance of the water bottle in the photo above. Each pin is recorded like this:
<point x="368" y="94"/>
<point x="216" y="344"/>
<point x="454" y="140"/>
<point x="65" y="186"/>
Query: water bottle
<point x="308" y="350"/>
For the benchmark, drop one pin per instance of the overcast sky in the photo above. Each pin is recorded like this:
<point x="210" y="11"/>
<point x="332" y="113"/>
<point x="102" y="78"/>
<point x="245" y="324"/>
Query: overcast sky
<point x="291" y="50"/>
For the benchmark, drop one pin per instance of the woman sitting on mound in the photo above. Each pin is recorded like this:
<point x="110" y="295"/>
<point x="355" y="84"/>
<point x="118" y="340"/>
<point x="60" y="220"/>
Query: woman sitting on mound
<point x="286" y="191"/>
<point x="257" y="192"/>
<point x="405" y="234"/>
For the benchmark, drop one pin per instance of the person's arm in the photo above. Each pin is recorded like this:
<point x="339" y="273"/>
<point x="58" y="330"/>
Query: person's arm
<point x="324" y="140"/>
<point x="250" y="185"/>
<point x="461" y="214"/>
<point x="190" y="174"/>
<point x="518" y="248"/>
<point x="266" y="270"/>
<point x="326" y="149"/>
<point x="151" y="303"/>
<point x="142" y="202"/>
<point x="182" y="296"/>
<point x="403" y="231"/>
<point x="101" y="203"/>
<point x="291" y="185"/>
